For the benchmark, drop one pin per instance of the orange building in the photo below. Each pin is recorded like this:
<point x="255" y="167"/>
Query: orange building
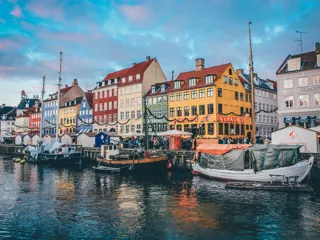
<point x="210" y="102"/>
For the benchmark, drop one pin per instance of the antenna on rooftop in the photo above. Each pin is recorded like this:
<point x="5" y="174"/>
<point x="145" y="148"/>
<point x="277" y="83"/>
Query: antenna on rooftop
<point x="300" y="40"/>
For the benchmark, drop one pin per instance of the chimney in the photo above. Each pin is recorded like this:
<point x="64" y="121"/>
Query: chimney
<point x="172" y="75"/>
<point x="239" y="71"/>
<point x="199" y="64"/>
<point x="75" y="82"/>
<point x="317" y="49"/>
<point x="133" y="64"/>
<point x="147" y="58"/>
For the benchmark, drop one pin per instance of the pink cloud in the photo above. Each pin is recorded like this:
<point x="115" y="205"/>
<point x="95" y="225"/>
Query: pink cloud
<point x="16" y="12"/>
<point x="7" y="44"/>
<point x="46" y="9"/>
<point x="138" y="13"/>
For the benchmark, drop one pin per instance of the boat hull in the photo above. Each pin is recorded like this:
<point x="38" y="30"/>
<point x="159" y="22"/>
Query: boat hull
<point x="301" y="169"/>
<point x="61" y="159"/>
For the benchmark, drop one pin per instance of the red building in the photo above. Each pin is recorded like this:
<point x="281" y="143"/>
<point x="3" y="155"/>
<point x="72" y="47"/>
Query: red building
<point x="105" y="102"/>
<point x="35" y="119"/>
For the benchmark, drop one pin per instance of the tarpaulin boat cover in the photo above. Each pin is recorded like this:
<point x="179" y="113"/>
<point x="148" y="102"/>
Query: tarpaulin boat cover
<point x="233" y="160"/>
<point x="219" y="149"/>
<point x="273" y="156"/>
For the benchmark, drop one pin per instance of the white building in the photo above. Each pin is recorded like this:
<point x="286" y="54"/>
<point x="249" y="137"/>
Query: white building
<point x="298" y="79"/>
<point x="66" y="139"/>
<point x="7" y="120"/>
<point x="86" y="139"/>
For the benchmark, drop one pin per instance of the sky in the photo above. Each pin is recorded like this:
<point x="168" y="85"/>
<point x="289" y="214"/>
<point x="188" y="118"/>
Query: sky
<point x="99" y="37"/>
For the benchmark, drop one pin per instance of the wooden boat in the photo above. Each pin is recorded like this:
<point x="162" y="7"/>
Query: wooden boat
<point x="136" y="161"/>
<point x="300" y="169"/>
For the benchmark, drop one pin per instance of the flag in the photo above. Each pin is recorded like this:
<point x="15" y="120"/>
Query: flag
<point x="292" y="135"/>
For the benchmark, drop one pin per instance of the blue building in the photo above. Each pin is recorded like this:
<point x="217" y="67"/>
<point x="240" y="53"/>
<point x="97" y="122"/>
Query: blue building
<point x="85" y="114"/>
<point x="50" y="107"/>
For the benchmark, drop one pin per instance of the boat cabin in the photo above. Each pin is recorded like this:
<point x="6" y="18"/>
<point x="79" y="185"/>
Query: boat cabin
<point x="109" y="150"/>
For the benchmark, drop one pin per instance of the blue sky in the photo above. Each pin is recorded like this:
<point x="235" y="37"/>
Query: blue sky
<point x="98" y="37"/>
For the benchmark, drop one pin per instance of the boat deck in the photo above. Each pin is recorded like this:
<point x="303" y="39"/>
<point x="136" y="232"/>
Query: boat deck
<point x="269" y="187"/>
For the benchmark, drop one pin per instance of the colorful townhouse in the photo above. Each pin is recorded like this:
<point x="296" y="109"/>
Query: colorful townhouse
<point x="68" y="115"/>
<point x="26" y="102"/>
<point x="35" y="119"/>
<point x="210" y="102"/>
<point x="7" y="120"/>
<point x="50" y="106"/>
<point x="105" y="103"/>
<point x="85" y="116"/>
<point x="157" y="107"/>
<point x="134" y="83"/>
<point x="22" y="123"/>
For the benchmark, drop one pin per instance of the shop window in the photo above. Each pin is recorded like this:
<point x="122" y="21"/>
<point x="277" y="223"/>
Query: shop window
<point x="226" y="128"/>
<point x="220" y="128"/>
<point x="210" y="128"/>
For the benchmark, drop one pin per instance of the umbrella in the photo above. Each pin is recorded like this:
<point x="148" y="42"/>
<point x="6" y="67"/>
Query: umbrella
<point x="174" y="132"/>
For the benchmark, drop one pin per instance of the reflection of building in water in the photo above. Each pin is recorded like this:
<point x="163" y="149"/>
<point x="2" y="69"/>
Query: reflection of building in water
<point x="188" y="212"/>
<point x="65" y="188"/>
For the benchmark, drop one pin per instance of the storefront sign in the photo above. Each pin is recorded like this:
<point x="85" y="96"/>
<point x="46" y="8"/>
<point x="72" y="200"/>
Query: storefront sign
<point x="231" y="119"/>
<point x="310" y="89"/>
<point x="199" y="119"/>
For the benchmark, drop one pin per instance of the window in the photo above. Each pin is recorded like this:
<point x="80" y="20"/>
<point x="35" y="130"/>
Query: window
<point x="201" y="93"/>
<point x="177" y="84"/>
<point x="127" y="102"/>
<point x="133" y="114"/>
<point x="133" y="128"/>
<point x="219" y="92"/>
<point x="153" y="89"/>
<point x="241" y="110"/>
<point x="247" y="98"/>
<point x="230" y="71"/>
<point x="115" y="117"/>
<point x="186" y="111"/>
<point x="154" y="100"/>
<point x="230" y="81"/>
<point x="220" y="108"/>
<point x="171" y="97"/>
<point x="163" y="88"/>
<point x="171" y="112"/>
<point x="193" y="94"/>
<point x="127" y="128"/>
<point x="138" y="76"/>
<point x="123" y="80"/>
<point x="220" y="128"/>
<point x="194" y="110"/>
<point x="303" y="82"/>
<point x="121" y="104"/>
<point x="130" y="78"/>
<point x="138" y="102"/>
<point x="186" y="127"/>
<point x="138" y="113"/>
<point x="236" y="82"/>
<point x="316" y="80"/>
<point x="288" y="101"/>
<point x="317" y="99"/>
<point x="241" y="96"/>
<point x="179" y="112"/>
<point x="236" y="95"/>
<point x="179" y="96"/>
<point x="210" y="92"/>
<point x="287" y="83"/>
<point x="209" y="79"/>
<point x="115" y="104"/>
<point x="186" y="95"/>
<point x="210" y="108"/>
<point x="210" y="128"/>
<point x="110" y="118"/>
<point x="192" y="82"/>
<point x="127" y="115"/>
<point x="202" y="110"/>
<point x="110" y="105"/>
<point x="225" y="79"/>
<point x="226" y="128"/>
<point x="304" y="100"/>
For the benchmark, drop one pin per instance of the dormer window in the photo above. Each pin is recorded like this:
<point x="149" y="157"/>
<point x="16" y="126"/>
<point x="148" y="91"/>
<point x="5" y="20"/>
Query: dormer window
<point x="153" y="89"/>
<point x="98" y="84"/>
<point x="103" y="83"/>
<point x="138" y="76"/>
<point x="177" y="84"/>
<point x="123" y="80"/>
<point x="163" y="88"/>
<point x="192" y="82"/>
<point x="294" y="64"/>
<point x="130" y="78"/>
<point x="209" y="79"/>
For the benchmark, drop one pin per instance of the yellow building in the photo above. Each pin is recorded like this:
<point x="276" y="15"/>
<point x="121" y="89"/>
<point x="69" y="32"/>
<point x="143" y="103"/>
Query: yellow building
<point x="68" y="116"/>
<point x="210" y="102"/>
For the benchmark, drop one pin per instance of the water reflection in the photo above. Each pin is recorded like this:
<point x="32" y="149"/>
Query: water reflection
<point x="46" y="202"/>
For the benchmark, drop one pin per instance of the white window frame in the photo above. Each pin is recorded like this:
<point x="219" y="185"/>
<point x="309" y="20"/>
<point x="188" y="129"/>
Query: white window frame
<point x="304" y="100"/>
<point x="303" y="82"/>
<point x="316" y="97"/>
<point x="287" y="83"/>
<point x="289" y="98"/>
<point x="209" y="79"/>
<point x="316" y="80"/>
<point x="192" y="82"/>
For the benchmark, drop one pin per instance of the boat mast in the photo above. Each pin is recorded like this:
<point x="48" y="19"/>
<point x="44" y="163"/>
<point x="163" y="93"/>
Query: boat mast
<point x="146" y="138"/>
<point x="58" y="101"/>
<point x="253" y="118"/>
<point x="42" y="107"/>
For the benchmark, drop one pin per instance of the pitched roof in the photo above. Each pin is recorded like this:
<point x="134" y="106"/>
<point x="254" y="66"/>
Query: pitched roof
<point x="308" y="62"/>
<point x="66" y="89"/>
<point x="158" y="88"/>
<point x="263" y="82"/>
<point x="89" y="97"/>
<point x="24" y="101"/>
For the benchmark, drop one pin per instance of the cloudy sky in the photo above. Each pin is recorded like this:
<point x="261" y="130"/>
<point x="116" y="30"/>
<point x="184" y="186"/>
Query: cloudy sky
<point x="98" y="37"/>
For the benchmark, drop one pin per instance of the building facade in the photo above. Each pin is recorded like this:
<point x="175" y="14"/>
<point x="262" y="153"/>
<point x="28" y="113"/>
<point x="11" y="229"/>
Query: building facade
<point x="210" y="102"/>
<point x="85" y="117"/>
<point x="68" y="115"/>
<point x="266" y="103"/>
<point x="135" y="82"/>
<point x="298" y="79"/>
<point x="7" y="120"/>
<point x="26" y="102"/>
<point x="22" y="123"/>
<point x="105" y="103"/>
<point x="157" y="103"/>
<point x="34" y="121"/>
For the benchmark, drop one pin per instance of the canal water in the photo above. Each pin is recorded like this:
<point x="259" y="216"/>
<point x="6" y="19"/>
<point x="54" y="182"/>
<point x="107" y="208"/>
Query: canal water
<point x="46" y="202"/>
